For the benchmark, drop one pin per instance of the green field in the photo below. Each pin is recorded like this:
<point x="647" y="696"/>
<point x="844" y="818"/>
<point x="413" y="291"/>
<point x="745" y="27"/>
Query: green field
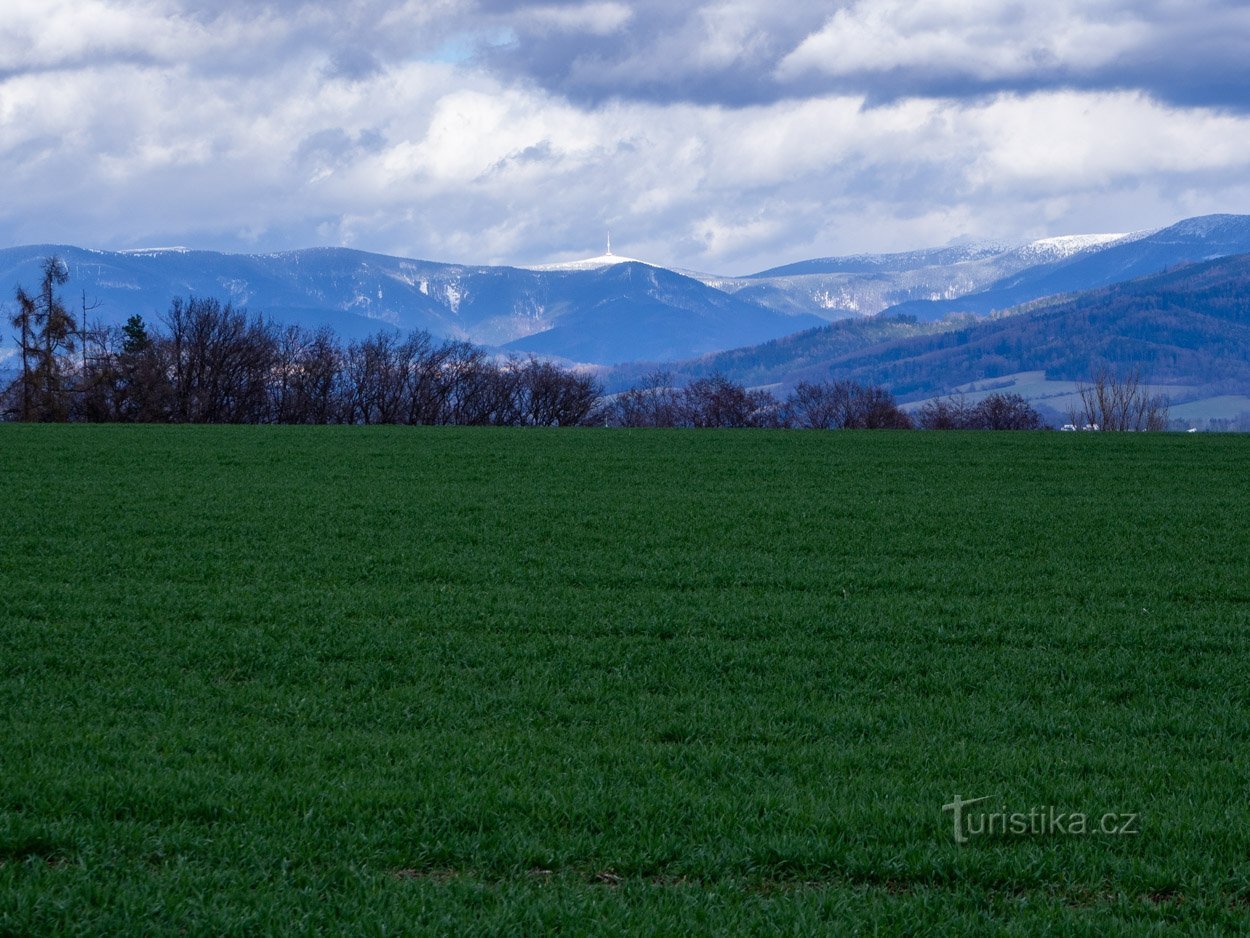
<point x="457" y="681"/>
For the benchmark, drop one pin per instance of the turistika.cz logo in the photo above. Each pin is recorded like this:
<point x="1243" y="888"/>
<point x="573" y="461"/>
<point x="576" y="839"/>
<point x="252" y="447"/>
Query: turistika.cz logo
<point x="1041" y="821"/>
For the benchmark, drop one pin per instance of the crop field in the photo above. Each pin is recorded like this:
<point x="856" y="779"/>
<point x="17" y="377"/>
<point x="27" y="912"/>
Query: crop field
<point x="458" y="681"/>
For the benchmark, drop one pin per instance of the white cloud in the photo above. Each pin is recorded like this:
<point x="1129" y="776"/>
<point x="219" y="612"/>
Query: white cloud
<point x="984" y="39"/>
<point x="41" y="34"/>
<point x="1070" y="141"/>
<point x="189" y="143"/>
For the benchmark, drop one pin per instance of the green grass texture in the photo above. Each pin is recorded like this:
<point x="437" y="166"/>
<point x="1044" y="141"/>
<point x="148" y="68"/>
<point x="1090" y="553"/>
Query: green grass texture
<point x="457" y="681"/>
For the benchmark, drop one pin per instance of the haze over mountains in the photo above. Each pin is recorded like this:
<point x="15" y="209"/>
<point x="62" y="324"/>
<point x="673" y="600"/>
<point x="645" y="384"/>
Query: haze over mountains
<point x="609" y="310"/>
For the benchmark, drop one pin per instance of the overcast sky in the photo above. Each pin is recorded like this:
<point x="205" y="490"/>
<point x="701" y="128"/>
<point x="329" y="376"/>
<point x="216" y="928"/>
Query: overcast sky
<point x="725" y="136"/>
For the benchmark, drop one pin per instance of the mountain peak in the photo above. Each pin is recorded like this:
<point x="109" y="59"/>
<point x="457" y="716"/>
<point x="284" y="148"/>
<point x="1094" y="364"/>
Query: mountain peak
<point x="1208" y="226"/>
<point x="1063" y="246"/>
<point x="592" y="263"/>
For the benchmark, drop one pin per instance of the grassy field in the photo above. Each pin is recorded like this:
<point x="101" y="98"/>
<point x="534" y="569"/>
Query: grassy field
<point x="453" y="681"/>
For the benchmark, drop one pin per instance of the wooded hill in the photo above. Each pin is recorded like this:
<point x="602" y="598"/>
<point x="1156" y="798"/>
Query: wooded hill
<point x="1186" y="326"/>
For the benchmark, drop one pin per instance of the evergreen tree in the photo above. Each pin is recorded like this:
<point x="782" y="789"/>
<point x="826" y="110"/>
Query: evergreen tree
<point x="135" y="336"/>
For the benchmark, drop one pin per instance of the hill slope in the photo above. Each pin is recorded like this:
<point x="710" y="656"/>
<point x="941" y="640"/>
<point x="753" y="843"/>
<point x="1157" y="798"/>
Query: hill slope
<point x="635" y="311"/>
<point x="1188" y="326"/>
<point x="866" y="284"/>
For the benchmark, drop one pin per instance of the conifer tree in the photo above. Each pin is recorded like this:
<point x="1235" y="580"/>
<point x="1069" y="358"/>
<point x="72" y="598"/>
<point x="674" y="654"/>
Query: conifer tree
<point x="46" y="331"/>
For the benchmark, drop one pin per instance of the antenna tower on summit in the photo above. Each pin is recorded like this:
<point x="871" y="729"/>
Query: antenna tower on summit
<point x="609" y="254"/>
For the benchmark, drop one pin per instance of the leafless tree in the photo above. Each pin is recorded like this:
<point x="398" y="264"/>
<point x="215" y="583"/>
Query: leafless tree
<point x="653" y="402"/>
<point x="997" y="411"/>
<point x="220" y="362"/>
<point x="845" y="405"/>
<point x="471" y="385"/>
<point x="556" y="397"/>
<point x="816" y="406"/>
<point x="715" y="401"/>
<point x="949" y="413"/>
<point x="1115" y="402"/>
<point x="1001" y="411"/>
<point x="377" y="373"/>
<point x="305" y="386"/>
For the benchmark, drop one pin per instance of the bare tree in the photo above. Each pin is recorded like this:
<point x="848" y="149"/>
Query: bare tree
<point x="1114" y="402"/>
<point x="317" y="385"/>
<point x="470" y="385"/>
<point x="430" y="384"/>
<point x="378" y="371"/>
<point x="715" y="401"/>
<point x="220" y="362"/>
<point x="556" y="397"/>
<point x="1004" y="412"/>
<point x="654" y="402"/>
<point x="23" y="389"/>
<point x="845" y="405"/>
<point x="305" y="384"/>
<point x="949" y="413"/>
<point x="818" y="406"/>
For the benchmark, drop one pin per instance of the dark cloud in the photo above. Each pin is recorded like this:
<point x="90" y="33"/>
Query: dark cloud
<point x="721" y="53"/>
<point x="738" y="53"/>
<point x="730" y="53"/>
<point x="354" y="64"/>
<point x="539" y="153"/>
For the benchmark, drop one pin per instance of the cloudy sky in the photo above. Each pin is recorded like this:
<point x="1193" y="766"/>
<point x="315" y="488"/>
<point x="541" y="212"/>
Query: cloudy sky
<point x="724" y="136"/>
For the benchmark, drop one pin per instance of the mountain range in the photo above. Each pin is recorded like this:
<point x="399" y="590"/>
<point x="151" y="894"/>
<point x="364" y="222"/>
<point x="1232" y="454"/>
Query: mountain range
<point x="816" y="316"/>
<point x="599" y="313"/>
<point x="1186" y="330"/>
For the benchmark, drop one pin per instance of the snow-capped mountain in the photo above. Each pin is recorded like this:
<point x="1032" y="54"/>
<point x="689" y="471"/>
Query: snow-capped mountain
<point x="866" y="284"/>
<point x="623" y="309"/>
<point x="1100" y="265"/>
<point x="612" y="308"/>
<point x="607" y="259"/>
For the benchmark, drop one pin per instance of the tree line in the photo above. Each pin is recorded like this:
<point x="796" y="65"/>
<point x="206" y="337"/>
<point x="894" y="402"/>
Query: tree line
<point x="208" y="362"/>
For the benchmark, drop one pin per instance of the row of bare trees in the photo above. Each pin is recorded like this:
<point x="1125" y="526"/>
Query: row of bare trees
<point x="715" y="401"/>
<point x="211" y="363"/>
<point x="997" y="411"/>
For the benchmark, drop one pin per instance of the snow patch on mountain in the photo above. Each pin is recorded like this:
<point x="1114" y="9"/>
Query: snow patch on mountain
<point x="1065" y="246"/>
<point x="839" y="300"/>
<point x="453" y="295"/>
<point x="591" y="263"/>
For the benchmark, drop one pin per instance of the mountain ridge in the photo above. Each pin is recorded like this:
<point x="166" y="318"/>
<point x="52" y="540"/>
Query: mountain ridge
<point x="1186" y="328"/>
<point x="611" y="309"/>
